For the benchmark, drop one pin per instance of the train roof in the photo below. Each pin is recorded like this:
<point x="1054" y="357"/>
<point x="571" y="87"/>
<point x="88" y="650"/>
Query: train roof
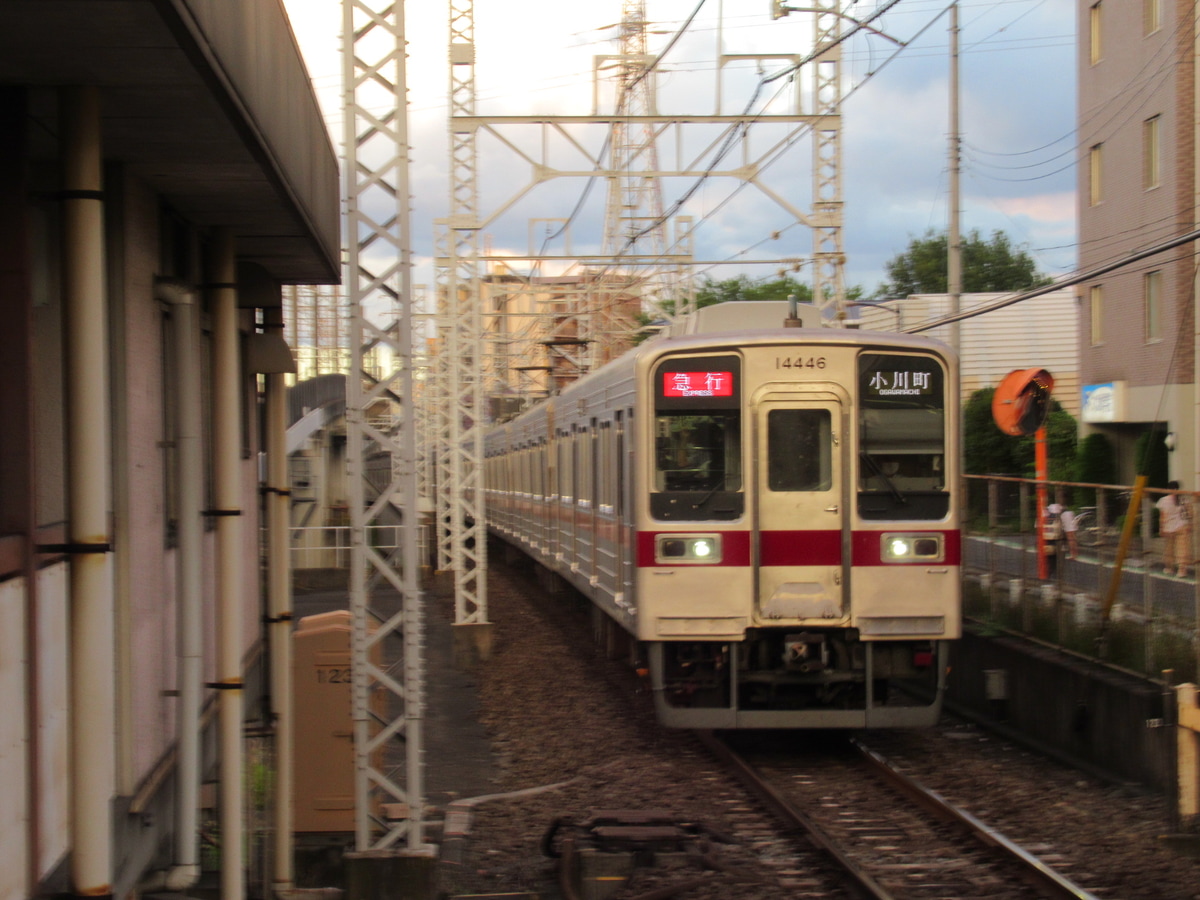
<point x="764" y="321"/>
<point x="737" y="315"/>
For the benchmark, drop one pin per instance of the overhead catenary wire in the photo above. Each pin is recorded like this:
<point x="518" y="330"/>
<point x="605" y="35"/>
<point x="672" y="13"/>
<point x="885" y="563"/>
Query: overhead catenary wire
<point x="608" y="138"/>
<point x="734" y="132"/>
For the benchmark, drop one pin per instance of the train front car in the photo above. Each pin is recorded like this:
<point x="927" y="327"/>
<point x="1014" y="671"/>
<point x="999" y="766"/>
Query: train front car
<point x="798" y="543"/>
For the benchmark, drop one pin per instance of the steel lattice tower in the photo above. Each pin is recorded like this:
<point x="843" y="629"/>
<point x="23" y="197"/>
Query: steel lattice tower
<point x="634" y="224"/>
<point x="829" y="254"/>
<point x="462" y="540"/>
<point x="380" y="422"/>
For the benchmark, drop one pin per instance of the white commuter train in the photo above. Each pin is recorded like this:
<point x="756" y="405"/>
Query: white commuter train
<point x="770" y="512"/>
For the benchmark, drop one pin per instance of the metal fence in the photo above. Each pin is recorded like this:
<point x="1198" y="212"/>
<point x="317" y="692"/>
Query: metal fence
<point x="1153" y="618"/>
<point x="328" y="547"/>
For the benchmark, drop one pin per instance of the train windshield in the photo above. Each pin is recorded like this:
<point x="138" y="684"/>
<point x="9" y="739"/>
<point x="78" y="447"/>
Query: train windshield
<point x="902" y="438"/>
<point x="697" y="439"/>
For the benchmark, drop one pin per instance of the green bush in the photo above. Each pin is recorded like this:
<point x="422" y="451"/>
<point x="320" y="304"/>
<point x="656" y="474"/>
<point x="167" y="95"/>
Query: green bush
<point x="1152" y="458"/>
<point x="989" y="451"/>
<point x="1095" y="463"/>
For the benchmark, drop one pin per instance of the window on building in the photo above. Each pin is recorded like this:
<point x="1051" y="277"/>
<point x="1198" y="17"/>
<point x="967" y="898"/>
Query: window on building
<point x="1094" y="33"/>
<point x="1096" y="307"/>
<point x="1150" y="153"/>
<point x="1095" y="174"/>
<point x="1152" y="286"/>
<point x="1150" y="16"/>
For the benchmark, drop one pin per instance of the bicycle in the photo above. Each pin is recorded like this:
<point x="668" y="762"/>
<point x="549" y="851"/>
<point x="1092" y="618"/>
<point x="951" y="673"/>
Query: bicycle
<point x="1090" y="533"/>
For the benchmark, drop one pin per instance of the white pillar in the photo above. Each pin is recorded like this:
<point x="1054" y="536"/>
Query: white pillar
<point x="226" y="437"/>
<point x="92" y="654"/>
<point x="279" y="604"/>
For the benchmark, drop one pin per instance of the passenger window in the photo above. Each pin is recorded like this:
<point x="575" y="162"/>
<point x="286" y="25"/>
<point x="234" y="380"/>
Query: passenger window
<point x="698" y="453"/>
<point x="697" y="463"/>
<point x="799" y="450"/>
<point x="902" y="438"/>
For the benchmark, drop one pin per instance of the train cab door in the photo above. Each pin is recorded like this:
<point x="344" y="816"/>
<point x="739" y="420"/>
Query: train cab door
<point x="801" y="539"/>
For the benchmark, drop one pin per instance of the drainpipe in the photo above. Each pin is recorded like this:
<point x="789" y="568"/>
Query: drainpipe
<point x="189" y="550"/>
<point x="89" y="542"/>
<point x="279" y="610"/>
<point x="226" y="428"/>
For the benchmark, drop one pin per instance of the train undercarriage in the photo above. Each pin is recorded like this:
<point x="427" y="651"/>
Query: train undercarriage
<point x="780" y="678"/>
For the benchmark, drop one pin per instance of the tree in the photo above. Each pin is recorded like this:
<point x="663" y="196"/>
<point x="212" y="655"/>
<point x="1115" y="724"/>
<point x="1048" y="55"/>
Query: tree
<point x="986" y="449"/>
<point x="989" y="451"/>
<point x="993" y="265"/>
<point x="742" y="288"/>
<point x="733" y="290"/>
<point x="1062" y="437"/>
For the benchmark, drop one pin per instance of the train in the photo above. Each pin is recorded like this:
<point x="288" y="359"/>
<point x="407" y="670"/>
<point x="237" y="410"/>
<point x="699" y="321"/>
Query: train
<point x="766" y="510"/>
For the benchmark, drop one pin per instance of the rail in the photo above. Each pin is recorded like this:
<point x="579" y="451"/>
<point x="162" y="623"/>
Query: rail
<point x="844" y="847"/>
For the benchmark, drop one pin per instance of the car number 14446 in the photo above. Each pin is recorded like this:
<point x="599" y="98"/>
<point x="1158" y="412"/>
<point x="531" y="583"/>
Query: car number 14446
<point x="799" y="362"/>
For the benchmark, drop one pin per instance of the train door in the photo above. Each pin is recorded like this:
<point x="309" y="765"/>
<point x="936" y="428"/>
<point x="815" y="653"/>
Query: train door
<point x="801" y="515"/>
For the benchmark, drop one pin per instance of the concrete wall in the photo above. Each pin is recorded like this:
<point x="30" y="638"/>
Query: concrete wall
<point x="1074" y="707"/>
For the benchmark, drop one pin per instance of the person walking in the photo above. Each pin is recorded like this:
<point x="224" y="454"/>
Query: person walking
<point x="1175" y="526"/>
<point x="1052" y="537"/>
<point x="1070" y="528"/>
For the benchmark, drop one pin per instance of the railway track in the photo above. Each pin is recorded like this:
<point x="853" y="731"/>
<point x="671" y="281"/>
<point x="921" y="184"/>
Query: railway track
<point x="890" y="836"/>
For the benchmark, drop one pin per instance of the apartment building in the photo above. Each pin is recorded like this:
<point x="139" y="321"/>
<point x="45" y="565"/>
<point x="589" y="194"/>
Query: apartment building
<point x="1137" y="190"/>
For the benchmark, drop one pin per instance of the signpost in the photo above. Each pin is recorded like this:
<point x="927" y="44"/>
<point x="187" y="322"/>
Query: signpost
<point x="1020" y="407"/>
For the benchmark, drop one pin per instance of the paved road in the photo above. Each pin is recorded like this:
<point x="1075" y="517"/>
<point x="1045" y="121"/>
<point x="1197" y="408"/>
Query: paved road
<point x="1091" y="573"/>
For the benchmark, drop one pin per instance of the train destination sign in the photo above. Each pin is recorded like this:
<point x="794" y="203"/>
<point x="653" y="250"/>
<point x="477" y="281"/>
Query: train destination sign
<point x="900" y="383"/>
<point x="697" y="384"/>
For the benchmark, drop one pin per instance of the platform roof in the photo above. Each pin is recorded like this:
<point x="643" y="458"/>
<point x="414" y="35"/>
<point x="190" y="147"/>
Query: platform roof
<point x="206" y="100"/>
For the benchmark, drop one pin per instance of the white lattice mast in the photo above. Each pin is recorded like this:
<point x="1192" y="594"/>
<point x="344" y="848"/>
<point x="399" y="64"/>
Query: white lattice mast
<point x="387" y="672"/>
<point x="634" y="226"/>
<point x="829" y="288"/>
<point x="462" y="543"/>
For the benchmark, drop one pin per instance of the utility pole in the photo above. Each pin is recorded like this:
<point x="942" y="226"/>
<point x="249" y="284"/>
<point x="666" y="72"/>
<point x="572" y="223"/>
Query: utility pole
<point x="954" y="241"/>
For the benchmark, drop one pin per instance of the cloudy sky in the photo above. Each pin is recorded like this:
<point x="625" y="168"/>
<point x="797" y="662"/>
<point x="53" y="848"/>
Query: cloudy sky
<point x="1017" y="81"/>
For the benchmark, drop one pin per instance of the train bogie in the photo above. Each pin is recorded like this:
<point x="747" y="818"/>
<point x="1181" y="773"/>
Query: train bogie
<point x="770" y="513"/>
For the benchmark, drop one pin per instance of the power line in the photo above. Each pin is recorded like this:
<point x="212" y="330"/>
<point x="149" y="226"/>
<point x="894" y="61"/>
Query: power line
<point x="1077" y="278"/>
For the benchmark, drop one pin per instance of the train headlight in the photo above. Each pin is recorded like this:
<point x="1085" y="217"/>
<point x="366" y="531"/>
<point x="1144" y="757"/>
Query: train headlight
<point x="912" y="548"/>
<point x="687" y="548"/>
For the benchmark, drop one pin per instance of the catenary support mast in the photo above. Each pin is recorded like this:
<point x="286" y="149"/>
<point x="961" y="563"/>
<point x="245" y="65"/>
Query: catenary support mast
<point x="462" y="542"/>
<point x="387" y="688"/>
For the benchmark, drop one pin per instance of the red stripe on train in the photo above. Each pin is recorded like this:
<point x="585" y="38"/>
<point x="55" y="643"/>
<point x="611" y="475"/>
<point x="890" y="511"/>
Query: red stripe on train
<point x="801" y="548"/>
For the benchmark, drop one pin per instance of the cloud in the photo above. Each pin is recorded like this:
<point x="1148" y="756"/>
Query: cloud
<point x="1018" y="89"/>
